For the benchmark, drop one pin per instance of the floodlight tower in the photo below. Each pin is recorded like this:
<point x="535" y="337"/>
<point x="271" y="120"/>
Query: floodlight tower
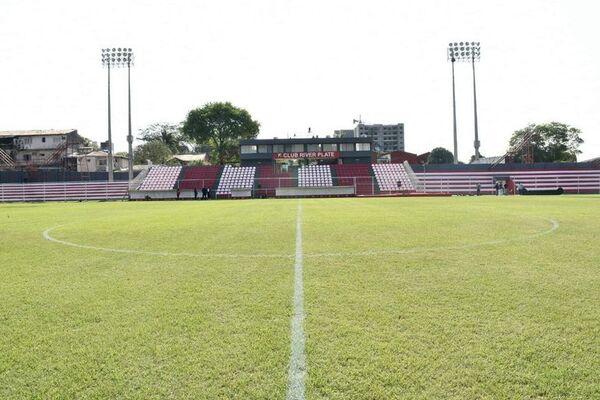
<point x="118" y="57"/>
<point x="129" y="59"/>
<point x="452" y="59"/>
<point x="469" y="52"/>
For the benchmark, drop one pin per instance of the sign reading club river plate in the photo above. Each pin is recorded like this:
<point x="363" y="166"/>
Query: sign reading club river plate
<point x="306" y="154"/>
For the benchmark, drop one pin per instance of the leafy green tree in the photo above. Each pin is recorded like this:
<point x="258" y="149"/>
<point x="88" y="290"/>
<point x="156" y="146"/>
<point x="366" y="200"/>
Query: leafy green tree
<point x="221" y="126"/>
<point x="440" y="155"/>
<point x="550" y="142"/>
<point x="155" y="151"/>
<point x="169" y="134"/>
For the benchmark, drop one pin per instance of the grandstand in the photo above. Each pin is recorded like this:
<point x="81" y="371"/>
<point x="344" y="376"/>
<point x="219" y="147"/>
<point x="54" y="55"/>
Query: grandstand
<point x="161" y="182"/>
<point x="392" y="177"/>
<point x="269" y="179"/>
<point x="235" y="178"/>
<point x="357" y="175"/>
<point x="576" y="181"/>
<point x="314" y="176"/>
<point x="198" y="177"/>
<point x="63" y="191"/>
<point x="161" y="178"/>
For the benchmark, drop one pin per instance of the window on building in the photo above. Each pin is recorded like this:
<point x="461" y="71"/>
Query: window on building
<point x="313" y="147"/>
<point x="363" y="146"/>
<point x="248" y="149"/>
<point x="264" y="148"/>
<point x="27" y="157"/>
<point x="277" y="148"/>
<point x="347" y="147"/>
<point x="101" y="162"/>
<point x="298" y="147"/>
<point x="287" y="148"/>
<point x="329" y="146"/>
<point x="43" y="140"/>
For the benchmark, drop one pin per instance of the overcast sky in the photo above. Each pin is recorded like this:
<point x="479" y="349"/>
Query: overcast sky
<point x="295" y="64"/>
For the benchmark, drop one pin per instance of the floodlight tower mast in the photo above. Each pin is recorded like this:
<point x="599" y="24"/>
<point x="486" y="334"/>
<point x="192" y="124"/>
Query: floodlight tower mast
<point x="475" y="56"/>
<point x="468" y="52"/>
<point x="118" y="57"/>
<point x="452" y="59"/>
<point x="108" y="59"/>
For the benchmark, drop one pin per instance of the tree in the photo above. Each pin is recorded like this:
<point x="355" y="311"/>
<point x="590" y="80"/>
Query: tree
<point x="155" y="151"/>
<point x="169" y="134"/>
<point x="440" y="155"/>
<point x="85" y="142"/>
<point x="221" y="126"/>
<point x="550" y="142"/>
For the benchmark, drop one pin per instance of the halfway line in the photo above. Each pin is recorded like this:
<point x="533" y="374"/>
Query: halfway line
<point x="297" y="370"/>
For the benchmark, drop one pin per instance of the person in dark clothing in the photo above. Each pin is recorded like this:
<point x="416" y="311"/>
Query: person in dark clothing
<point x="195" y="193"/>
<point x="178" y="192"/>
<point x="204" y="193"/>
<point x="207" y="193"/>
<point x="479" y="189"/>
<point x="497" y="187"/>
<point x="505" y="188"/>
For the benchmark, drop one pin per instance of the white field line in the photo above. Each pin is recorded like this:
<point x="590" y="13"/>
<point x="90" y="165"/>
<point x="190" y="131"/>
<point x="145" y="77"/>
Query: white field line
<point x="47" y="236"/>
<point x="554" y="227"/>
<point x="297" y="369"/>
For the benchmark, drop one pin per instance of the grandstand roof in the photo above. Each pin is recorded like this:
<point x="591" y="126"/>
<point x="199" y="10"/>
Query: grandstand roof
<point x="100" y="154"/>
<point x="37" y="132"/>
<point x="489" y="160"/>
<point x="191" y="157"/>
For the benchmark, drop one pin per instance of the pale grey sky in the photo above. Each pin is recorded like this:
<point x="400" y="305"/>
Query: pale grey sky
<point x="299" y="63"/>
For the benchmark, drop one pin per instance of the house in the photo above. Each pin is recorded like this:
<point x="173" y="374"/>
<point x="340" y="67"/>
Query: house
<point x="46" y="147"/>
<point x="96" y="161"/>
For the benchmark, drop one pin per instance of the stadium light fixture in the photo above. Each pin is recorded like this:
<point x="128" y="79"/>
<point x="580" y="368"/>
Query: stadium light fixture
<point x="467" y="52"/>
<point x="116" y="58"/>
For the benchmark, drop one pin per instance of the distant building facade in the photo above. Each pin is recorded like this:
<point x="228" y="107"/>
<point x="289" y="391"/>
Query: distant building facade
<point x="96" y="161"/>
<point x="385" y="137"/>
<point x="38" y="147"/>
<point x="343" y="133"/>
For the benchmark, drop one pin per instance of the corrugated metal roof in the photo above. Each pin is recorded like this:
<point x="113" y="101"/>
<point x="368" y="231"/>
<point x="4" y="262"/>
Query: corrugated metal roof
<point x="190" y="157"/>
<point x="99" y="154"/>
<point x="37" y="132"/>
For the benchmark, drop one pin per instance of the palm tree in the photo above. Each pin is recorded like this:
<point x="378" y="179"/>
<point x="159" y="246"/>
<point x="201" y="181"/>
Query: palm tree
<point x="169" y="134"/>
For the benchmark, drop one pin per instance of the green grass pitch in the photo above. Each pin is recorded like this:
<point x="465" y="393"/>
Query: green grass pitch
<point x="416" y="298"/>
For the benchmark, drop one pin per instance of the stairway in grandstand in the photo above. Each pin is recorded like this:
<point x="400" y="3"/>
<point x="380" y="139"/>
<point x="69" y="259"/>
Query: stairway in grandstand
<point x="392" y="178"/>
<point x="235" y="178"/>
<point x="161" y="178"/>
<point x="356" y="175"/>
<point x="315" y="176"/>
<point x="6" y="159"/>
